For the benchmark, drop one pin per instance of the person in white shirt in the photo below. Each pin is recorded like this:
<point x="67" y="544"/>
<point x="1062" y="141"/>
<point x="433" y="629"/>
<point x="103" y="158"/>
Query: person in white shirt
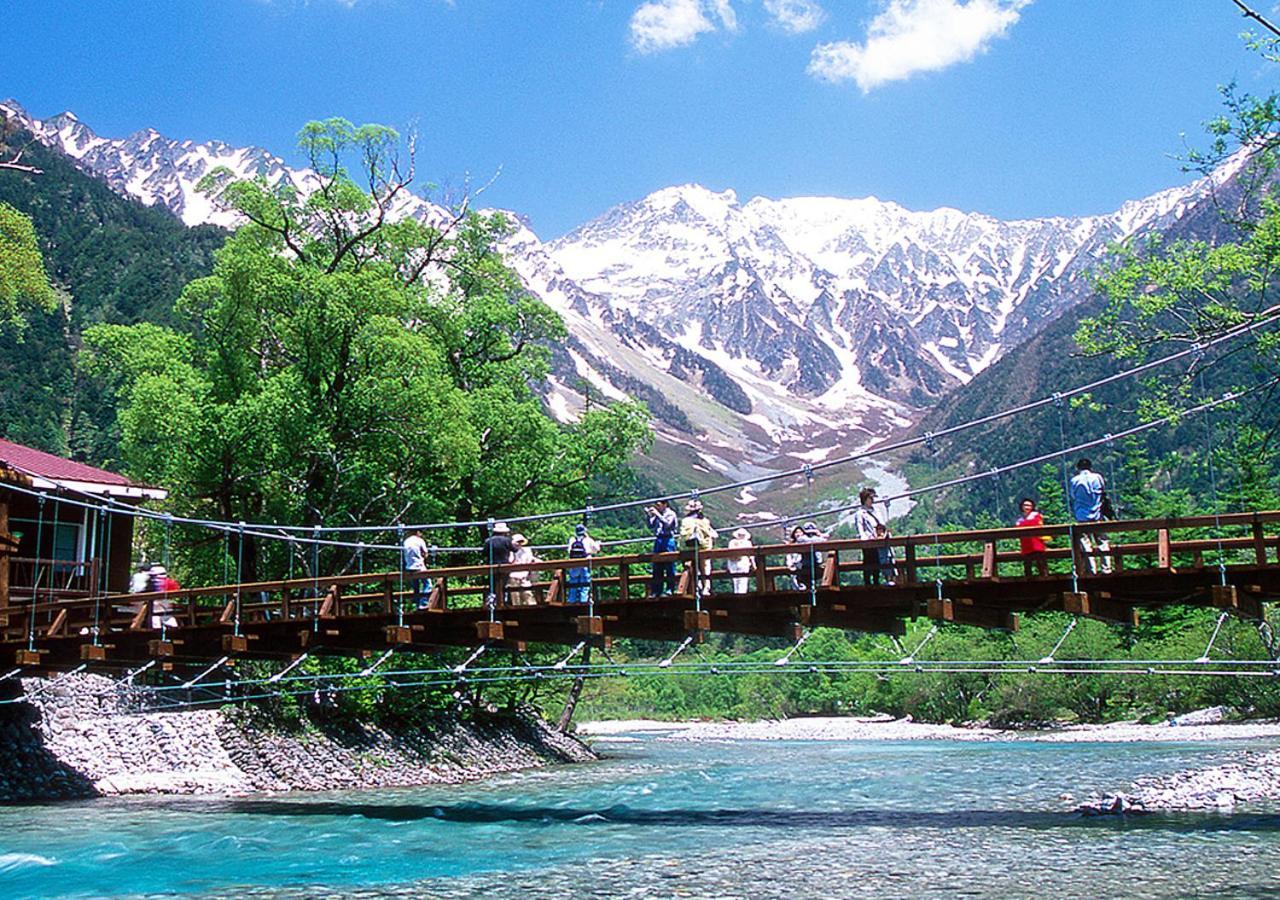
<point x="520" y="583"/>
<point x="414" y="561"/>
<point x="141" y="580"/>
<point x="741" y="566"/>
<point x="866" y="520"/>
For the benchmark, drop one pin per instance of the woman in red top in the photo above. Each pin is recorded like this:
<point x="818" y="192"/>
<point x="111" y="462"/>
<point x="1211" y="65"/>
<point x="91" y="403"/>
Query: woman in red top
<point x="1034" y="552"/>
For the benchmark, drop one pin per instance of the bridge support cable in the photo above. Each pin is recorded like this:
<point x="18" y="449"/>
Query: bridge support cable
<point x="41" y="689"/>
<point x="911" y="657"/>
<point x="491" y="598"/>
<point x="188" y="685"/>
<point x="559" y="667"/>
<point x="400" y="575"/>
<point x="1071" y="626"/>
<point x="1213" y="483"/>
<point x="684" y="645"/>
<point x="315" y="579"/>
<point x="786" y="657"/>
<point x="316" y="541"/>
<point x="459" y="669"/>
<point x="8" y="675"/>
<point x="287" y="669"/>
<point x="107" y="520"/>
<point x="1264" y="318"/>
<point x="931" y="445"/>
<point x="130" y="675"/>
<point x="168" y="536"/>
<point x="373" y="667"/>
<point x="1072" y="537"/>
<point x="35" y="575"/>
<point x="1204" y="657"/>
<point x="239" y="577"/>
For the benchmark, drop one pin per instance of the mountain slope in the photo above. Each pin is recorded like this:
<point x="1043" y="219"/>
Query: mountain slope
<point x="113" y="260"/>
<point x="762" y="334"/>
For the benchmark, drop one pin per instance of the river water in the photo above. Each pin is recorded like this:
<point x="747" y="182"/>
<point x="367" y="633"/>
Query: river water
<point x="663" y="818"/>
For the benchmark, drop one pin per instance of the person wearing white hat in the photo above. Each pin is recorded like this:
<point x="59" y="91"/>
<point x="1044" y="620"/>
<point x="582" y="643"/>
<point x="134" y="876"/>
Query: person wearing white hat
<point x="741" y="566"/>
<point x="162" y="583"/>
<point x="520" y="583"/>
<point x="696" y="533"/>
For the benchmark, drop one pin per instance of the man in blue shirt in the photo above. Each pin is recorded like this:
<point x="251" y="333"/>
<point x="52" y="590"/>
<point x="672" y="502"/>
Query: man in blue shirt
<point x="1087" y="493"/>
<point x="664" y="525"/>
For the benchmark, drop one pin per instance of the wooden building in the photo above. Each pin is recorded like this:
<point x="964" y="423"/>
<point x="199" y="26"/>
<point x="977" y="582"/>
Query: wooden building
<point x="61" y="537"/>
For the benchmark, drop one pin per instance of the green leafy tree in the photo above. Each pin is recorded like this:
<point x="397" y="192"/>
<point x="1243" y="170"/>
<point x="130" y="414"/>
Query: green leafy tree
<point x="348" y="363"/>
<point x="24" y="284"/>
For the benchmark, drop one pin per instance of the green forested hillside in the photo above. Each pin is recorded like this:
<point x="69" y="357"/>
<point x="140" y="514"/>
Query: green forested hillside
<point x="112" y="260"/>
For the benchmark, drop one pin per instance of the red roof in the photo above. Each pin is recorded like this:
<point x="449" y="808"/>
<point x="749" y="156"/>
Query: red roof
<point x="30" y="461"/>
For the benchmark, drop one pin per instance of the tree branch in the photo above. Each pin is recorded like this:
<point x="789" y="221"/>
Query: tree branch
<point x="1250" y="14"/>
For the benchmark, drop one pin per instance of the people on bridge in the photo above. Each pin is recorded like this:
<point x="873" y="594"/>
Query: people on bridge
<point x="741" y="566"/>
<point x="664" y="524"/>
<point x="413" y="560"/>
<point x="808" y="568"/>
<point x="140" y="581"/>
<point x="1088" y="492"/>
<point x="865" y="520"/>
<point x="697" y="534"/>
<point x="498" y="549"/>
<point x="161" y="582"/>
<point x="520" y="584"/>
<point x="1035" y="552"/>
<point x="795" y="559"/>
<point x="888" y="565"/>
<point x="582" y="546"/>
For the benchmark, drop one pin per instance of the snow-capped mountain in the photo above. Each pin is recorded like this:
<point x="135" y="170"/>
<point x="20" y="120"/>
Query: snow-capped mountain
<point x="804" y="326"/>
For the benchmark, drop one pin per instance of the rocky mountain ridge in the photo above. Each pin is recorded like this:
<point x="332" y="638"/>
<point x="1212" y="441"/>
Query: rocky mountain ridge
<point x="805" y="327"/>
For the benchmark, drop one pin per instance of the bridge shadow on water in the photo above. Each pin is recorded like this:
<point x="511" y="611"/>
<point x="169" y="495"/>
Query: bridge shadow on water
<point x="479" y="813"/>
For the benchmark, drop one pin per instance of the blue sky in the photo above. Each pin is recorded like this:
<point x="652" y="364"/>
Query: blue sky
<point x="1007" y="107"/>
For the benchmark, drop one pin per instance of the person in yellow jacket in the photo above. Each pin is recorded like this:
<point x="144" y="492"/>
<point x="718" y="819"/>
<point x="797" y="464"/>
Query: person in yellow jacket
<point x="696" y="533"/>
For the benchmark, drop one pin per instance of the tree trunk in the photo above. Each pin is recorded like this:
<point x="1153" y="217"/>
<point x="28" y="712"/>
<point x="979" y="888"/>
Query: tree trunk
<point x="571" y="702"/>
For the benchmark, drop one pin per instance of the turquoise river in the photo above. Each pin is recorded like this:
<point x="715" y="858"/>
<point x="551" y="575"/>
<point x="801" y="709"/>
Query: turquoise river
<point x="674" y="819"/>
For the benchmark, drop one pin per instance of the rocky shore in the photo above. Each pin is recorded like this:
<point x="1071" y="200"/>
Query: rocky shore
<point x="889" y="728"/>
<point x="1254" y="778"/>
<point x="78" y="737"/>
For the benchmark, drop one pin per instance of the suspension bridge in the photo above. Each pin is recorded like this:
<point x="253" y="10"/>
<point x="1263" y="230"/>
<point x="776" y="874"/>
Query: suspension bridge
<point x="975" y="578"/>
<point x="1227" y="561"/>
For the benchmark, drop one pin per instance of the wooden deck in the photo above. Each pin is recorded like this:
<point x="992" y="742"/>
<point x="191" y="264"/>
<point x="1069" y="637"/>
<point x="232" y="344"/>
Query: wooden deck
<point x="974" y="577"/>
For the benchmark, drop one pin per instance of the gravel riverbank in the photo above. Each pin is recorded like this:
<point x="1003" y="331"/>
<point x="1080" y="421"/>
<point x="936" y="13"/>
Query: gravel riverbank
<point x="1252" y="778"/>
<point x="78" y="737"/>
<point x="887" y="728"/>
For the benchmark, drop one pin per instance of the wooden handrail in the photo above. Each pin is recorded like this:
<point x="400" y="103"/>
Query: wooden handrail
<point x="389" y="584"/>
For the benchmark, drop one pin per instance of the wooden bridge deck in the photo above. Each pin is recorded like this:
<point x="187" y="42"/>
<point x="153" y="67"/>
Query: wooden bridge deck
<point x="973" y="577"/>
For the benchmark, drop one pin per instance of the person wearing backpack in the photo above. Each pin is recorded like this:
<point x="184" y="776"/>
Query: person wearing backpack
<point x="809" y="569"/>
<point x="697" y="534"/>
<point x="582" y="546"/>
<point x="664" y="525"/>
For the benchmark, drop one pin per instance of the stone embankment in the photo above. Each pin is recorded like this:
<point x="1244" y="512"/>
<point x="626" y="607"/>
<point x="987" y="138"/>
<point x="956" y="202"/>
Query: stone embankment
<point x="81" y="737"/>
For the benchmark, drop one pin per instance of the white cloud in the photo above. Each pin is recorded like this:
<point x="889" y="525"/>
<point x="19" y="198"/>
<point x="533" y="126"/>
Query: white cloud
<point x="910" y="36"/>
<point x="795" y="16"/>
<point x="664" y="24"/>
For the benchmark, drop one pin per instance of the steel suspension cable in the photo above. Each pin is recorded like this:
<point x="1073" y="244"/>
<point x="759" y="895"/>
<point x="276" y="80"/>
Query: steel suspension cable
<point x="1267" y="317"/>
